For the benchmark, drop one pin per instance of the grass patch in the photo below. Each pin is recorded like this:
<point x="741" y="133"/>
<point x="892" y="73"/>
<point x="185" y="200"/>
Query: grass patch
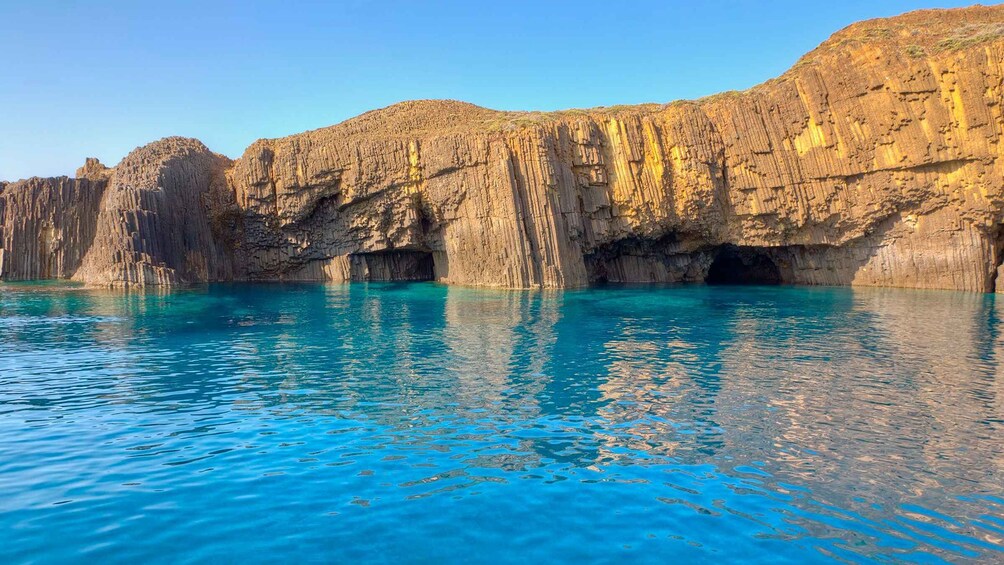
<point x="970" y="35"/>
<point x="877" y="33"/>
<point x="722" y="96"/>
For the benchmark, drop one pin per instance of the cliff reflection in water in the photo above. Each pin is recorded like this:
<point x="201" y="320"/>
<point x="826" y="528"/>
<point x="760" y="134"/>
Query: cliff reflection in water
<point x="860" y="422"/>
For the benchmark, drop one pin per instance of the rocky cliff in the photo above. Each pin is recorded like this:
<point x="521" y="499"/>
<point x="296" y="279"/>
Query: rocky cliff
<point x="876" y="160"/>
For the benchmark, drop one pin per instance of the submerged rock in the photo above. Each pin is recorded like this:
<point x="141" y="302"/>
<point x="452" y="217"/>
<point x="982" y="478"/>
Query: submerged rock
<point x="875" y="160"/>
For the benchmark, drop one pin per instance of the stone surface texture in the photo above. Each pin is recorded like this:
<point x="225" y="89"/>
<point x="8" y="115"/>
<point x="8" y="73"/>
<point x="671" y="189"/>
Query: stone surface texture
<point x="876" y="160"/>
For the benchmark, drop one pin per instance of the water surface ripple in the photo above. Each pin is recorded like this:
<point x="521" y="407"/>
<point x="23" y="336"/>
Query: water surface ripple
<point x="417" y="423"/>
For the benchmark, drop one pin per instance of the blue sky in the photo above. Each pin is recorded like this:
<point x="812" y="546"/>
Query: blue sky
<point x="99" y="79"/>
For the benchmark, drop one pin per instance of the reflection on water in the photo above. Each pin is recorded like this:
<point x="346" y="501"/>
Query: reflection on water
<point x="417" y="422"/>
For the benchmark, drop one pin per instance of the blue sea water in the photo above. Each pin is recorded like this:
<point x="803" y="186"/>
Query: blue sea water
<point x="392" y="423"/>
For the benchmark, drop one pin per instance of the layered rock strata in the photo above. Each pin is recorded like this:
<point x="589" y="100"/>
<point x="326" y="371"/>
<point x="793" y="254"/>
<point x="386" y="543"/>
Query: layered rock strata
<point x="876" y="160"/>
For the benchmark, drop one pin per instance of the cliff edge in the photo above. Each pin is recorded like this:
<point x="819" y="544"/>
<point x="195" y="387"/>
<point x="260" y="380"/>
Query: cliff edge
<point x="876" y="160"/>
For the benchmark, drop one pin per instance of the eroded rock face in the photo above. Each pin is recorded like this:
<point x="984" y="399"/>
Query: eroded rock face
<point x="154" y="225"/>
<point x="46" y="226"/>
<point x="876" y="160"/>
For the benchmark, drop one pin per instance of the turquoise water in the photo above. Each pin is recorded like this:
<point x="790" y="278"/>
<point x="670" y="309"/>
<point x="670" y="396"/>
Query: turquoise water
<point x="420" y="423"/>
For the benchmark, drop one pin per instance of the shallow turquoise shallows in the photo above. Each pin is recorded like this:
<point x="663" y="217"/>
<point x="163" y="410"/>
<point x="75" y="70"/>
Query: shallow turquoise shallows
<point x="420" y="423"/>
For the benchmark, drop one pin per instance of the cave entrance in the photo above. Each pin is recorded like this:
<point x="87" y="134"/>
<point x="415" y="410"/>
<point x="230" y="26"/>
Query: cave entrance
<point x="743" y="265"/>
<point x="406" y="265"/>
<point x="996" y="283"/>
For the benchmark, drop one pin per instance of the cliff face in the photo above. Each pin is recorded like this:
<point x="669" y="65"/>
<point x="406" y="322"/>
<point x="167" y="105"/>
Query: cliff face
<point x="876" y="160"/>
<point x="46" y="226"/>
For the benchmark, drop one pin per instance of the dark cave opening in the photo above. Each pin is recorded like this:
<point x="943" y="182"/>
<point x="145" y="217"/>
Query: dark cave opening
<point x="397" y="265"/>
<point x="996" y="282"/>
<point x="642" y="260"/>
<point x="670" y="259"/>
<point x="734" y="265"/>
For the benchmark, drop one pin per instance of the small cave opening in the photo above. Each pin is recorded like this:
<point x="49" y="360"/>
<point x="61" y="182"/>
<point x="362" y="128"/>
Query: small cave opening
<point x="643" y="260"/>
<point x="734" y="265"/>
<point x="397" y="265"/>
<point x="996" y="280"/>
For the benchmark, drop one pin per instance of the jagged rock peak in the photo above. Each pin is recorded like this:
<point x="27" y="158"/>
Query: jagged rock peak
<point x="94" y="170"/>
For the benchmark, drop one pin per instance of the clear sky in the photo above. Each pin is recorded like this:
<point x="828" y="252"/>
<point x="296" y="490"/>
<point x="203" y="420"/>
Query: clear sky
<point x="101" y="78"/>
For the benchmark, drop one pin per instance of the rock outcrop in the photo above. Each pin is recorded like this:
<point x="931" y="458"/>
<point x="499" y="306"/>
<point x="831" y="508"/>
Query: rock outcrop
<point x="876" y="160"/>
<point x="46" y="226"/>
<point x="157" y="217"/>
